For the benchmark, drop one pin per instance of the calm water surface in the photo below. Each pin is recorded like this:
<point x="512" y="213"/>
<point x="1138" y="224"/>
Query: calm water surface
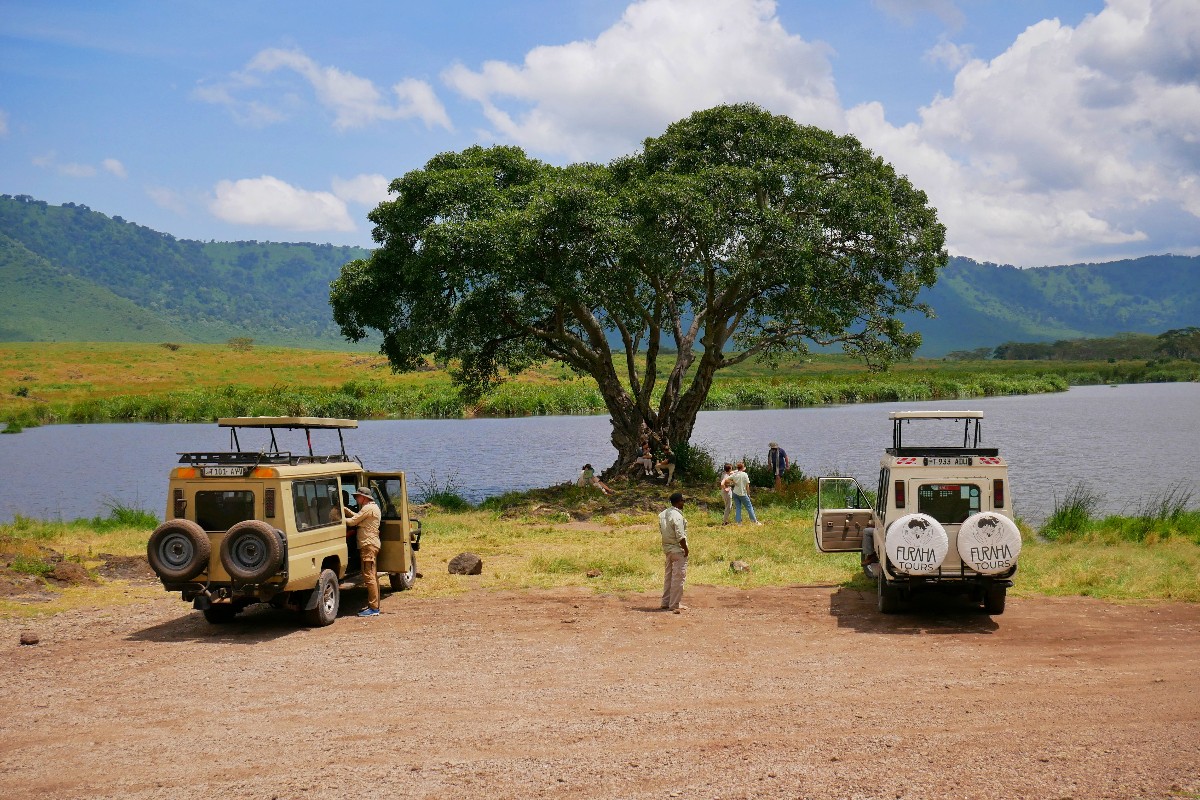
<point x="1124" y="442"/>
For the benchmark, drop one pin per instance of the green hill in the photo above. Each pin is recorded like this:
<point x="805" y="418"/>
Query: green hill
<point x="983" y="305"/>
<point x="45" y="303"/>
<point x="117" y="281"/>
<point x="273" y="292"/>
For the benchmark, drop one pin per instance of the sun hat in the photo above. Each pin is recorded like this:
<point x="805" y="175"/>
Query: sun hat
<point x="363" y="491"/>
<point x="773" y="444"/>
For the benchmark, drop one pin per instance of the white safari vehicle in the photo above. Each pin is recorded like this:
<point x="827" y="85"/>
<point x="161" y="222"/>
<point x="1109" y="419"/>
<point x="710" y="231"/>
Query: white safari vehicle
<point x="942" y="515"/>
<point x="266" y="526"/>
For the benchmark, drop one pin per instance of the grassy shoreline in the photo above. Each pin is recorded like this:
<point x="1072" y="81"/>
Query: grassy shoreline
<point x="103" y="382"/>
<point x="553" y="538"/>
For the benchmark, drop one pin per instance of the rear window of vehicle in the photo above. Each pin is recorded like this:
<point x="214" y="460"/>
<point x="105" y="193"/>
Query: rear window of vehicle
<point x="948" y="503"/>
<point x="220" y="511"/>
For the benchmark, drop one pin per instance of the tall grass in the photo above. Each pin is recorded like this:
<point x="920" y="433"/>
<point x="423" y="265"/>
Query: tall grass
<point x="1072" y="513"/>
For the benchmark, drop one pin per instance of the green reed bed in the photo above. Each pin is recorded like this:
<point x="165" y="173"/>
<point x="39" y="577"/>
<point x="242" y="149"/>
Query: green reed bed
<point x="890" y="387"/>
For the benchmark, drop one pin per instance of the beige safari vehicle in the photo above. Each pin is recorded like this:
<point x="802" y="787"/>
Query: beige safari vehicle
<point x="941" y="518"/>
<point x="266" y="526"/>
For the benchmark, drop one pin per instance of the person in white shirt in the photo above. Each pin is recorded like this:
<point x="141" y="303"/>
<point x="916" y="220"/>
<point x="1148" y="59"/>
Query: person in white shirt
<point x="741" y="494"/>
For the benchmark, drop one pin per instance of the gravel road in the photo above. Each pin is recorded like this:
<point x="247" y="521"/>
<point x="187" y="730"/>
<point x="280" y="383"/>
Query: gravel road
<point x="798" y="692"/>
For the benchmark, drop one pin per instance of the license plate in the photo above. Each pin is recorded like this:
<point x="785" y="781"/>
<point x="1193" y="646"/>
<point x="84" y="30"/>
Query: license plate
<point x="223" y="472"/>
<point x="948" y="462"/>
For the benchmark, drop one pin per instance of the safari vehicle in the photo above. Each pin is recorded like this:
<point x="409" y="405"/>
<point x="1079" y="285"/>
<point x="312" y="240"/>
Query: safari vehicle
<point x="941" y="518"/>
<point x="266" y="526"/>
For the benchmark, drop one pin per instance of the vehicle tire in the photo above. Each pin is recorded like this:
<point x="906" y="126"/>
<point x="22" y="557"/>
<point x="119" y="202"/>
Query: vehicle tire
<point x="887" y="597"/>
<point x="993" y="599"/>
<point x="329" y="596"/>
<point x="178" y="550"/>
<point x="220" y="613"/>
<point x="252" y="551"/>
<point x="405" y="580"/>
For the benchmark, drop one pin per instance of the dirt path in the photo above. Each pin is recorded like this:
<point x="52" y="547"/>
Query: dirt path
<point x="795" y="692"/>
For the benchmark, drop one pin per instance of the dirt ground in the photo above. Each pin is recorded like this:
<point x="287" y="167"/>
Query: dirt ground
<point x="799" y="692"/>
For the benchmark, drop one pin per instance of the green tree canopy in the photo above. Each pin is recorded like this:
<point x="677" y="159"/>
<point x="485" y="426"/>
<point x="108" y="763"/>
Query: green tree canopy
<point x="736" y="234"/>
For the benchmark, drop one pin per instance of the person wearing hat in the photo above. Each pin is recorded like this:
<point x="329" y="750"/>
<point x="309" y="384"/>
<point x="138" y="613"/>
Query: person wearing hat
<point x="367" y="519"/>
<point x="777" y="459"/>
<point x="673" y="529"/>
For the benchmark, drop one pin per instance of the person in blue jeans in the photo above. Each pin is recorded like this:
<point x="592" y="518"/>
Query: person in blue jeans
<point x="741" y="494"/>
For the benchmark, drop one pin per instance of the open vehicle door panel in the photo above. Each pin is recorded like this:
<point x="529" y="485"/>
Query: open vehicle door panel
<point x="843" y="512"/>
<point x="395" y="539"/>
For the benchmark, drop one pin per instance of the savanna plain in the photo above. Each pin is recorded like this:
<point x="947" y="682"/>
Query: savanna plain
<point x="553" y="674"/>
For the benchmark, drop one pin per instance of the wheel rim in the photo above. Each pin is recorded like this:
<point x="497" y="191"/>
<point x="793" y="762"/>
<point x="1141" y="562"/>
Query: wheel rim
<point x="248" y="552"/>
<point x="176" y="551"/>
<point x="329" y="598"/>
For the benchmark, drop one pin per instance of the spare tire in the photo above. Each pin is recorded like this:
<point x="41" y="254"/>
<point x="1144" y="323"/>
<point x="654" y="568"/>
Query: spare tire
<point x="916" y="544"/>
<point x="178" y="550"/>
<point x="252" y="551"/>
<point x="989" y="543"/>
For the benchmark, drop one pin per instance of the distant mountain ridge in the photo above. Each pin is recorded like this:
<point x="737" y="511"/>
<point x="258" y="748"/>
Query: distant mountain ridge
<point x="273" y="292"/>
<point x="983" y="305"/>
<point x="68" y="273"/>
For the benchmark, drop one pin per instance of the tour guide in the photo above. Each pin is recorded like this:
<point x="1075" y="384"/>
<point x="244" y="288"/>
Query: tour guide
<point x="367" y="519"/>
<point x="673" y="528"/>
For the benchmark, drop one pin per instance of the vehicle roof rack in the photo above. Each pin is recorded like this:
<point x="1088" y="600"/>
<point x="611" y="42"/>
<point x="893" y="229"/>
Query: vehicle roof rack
<point x="972" y="434"/>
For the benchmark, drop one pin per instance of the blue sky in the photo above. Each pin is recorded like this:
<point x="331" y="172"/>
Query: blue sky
<point x="1049" y="132"/>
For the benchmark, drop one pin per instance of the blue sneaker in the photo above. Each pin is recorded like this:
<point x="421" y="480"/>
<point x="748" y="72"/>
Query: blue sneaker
<point x="369" y="612"/>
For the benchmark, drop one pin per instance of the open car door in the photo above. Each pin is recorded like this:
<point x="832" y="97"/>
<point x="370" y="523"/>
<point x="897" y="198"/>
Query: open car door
<point x="395" y="529"/>
<point x="843" y="511"/>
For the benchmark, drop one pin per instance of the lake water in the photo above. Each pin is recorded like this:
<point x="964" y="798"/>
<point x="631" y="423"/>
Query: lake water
<point x="1125" y="443"/>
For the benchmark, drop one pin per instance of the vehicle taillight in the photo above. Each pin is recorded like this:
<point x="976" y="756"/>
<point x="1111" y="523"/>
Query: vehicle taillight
<point x="899" y="494"/>
<point x="269" y="502"/>
<point x="998" y="494"/>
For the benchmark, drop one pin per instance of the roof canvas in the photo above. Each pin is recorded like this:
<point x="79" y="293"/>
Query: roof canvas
<point x="936" y="415"/>
<point x="286" y="422"/>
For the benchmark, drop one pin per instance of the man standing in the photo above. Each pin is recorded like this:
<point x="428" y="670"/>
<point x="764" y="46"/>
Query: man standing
<point x="367" y="519"/>
<point x="777" y="459"/>
<point x="673" y="528"/>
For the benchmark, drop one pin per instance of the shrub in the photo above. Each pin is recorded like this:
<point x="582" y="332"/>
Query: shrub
<point x="442" y="492"/>
<point x="696" y="462"/>
<point x="30" y="565"/>
<point x="1073" y="514"/>
<point x="240" y="344"/>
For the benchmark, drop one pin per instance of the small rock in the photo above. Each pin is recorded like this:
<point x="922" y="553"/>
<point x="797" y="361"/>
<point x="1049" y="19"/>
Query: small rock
<point x="29" y="637"/>
<point x="594" y="573"/>
<point x="466" y="564"/>
<point x="739" y="566"/>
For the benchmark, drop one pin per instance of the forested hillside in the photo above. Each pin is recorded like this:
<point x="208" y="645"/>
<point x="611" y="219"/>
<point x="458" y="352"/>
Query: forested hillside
<point x="68" y="273"/>
<point x="984" y="305"/>
<point x="272" y="292"/>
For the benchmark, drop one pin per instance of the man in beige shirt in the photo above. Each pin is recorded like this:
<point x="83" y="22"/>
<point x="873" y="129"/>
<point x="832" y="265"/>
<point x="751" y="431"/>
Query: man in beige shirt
<point x="367" y="519"/>
<point x="673" y="529"/>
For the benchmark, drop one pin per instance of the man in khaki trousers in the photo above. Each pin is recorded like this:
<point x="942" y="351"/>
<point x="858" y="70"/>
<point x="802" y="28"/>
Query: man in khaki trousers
<point x="368" y="520"/>
<point x="673" y="528"/>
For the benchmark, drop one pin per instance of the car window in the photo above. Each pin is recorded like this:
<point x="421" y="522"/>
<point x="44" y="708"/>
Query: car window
<point x="948" y="503"/>
<point x="220" y="511"/>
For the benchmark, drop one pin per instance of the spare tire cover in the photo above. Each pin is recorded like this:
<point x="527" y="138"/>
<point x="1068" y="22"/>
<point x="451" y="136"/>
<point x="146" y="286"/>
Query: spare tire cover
<point x="916" y="544"/>
<point x="989" y="543"/>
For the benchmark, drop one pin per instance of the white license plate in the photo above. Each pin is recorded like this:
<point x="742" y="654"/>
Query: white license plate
<point x="223" y="472"/>
<point x="949" y="462"/>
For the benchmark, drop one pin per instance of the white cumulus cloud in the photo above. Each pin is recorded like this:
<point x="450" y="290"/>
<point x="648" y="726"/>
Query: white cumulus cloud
<point x="1070" y="143"/>
<point x="367" y="190"/>
<point x="272" y="202"/>
<point x="663" y="60"/>
<point x="69" y="169"/>
<point x="354" y="101"/>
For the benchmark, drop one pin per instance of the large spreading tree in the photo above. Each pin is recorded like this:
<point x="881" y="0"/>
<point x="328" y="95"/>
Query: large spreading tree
<point x="734" y="235"/>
